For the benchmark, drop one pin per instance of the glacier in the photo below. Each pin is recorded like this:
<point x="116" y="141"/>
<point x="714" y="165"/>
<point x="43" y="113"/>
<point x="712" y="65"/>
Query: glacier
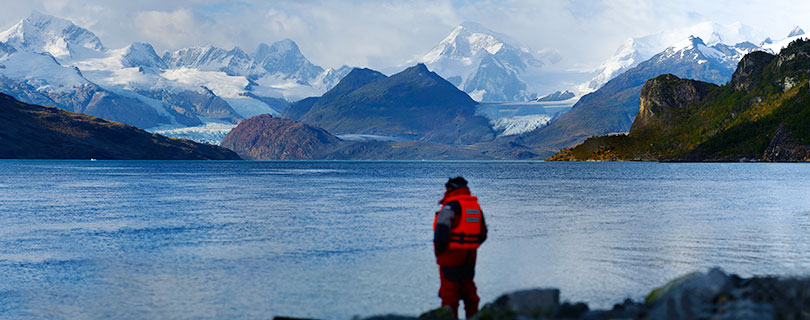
<point x="211" y="131"/>
<point x="514" y="118"/>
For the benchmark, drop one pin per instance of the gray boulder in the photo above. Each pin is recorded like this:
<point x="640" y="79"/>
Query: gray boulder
<point x="692" y="296"/>
<point x="525" y="304"/>
<point x="443" y="313"/>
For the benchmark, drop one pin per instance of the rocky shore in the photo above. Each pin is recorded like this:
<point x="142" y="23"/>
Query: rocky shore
<point x="711" y="295"/>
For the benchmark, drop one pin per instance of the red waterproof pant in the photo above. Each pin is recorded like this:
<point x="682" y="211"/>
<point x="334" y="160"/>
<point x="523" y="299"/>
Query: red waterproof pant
<point x="456" y="271"/>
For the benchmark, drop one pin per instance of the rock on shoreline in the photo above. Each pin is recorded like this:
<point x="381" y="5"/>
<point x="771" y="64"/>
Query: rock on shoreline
<point x="711" y="295"/>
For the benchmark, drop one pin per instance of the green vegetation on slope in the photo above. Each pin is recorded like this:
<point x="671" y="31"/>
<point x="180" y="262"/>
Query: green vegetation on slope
<point x="613" y="107"/>
<point x="762" y="114"/>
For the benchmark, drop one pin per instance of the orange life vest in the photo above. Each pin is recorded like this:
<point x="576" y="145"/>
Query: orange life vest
<point x="467" y="232"/>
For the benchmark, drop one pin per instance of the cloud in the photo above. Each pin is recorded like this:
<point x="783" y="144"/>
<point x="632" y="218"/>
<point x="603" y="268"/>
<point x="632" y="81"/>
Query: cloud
<point x="385" y="33"/>
<point x="168" y="29"/>
<point x="55" y="5"/>
<point x="372" y="34"/>
<point x="279" y="22"/>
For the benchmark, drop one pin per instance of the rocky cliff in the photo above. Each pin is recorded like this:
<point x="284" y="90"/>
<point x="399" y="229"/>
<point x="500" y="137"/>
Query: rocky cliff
<point x="750" y="69"/>
<point x="662" y="96"/>
<point x="37" y="132"/>
<point x="267" y="138"/>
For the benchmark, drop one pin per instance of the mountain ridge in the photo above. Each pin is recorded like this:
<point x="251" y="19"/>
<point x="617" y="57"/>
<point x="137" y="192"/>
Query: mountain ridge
<point x="415" y="104"/>
<point x="639" y="49"/>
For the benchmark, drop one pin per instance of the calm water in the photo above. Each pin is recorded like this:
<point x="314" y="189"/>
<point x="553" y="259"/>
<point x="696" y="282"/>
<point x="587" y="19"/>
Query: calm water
<point x="82" y="239"/>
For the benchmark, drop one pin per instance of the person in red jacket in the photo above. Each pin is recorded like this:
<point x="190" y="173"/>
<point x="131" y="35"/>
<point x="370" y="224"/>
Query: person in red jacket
<point x="458" y="230"/>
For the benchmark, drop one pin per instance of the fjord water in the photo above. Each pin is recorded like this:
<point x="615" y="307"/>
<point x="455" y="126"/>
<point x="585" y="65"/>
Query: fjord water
<point x="105" y="239"/>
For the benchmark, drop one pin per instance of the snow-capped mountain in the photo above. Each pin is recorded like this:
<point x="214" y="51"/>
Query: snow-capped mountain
<point x="797" y="31"/>
<point x="714" y="63"/>
<point x="36" y="67"/>
<point x="282" y="60"/>
<point x="485" y="64"/>
<point x="635" y="50"/>
<point x="58" y="37"/>
<point x="286" y="59"/>
<point x="234" y="62"/>
<point x="330" y="77"/>
<point x="613" y="107"/>
<point x="557" y="96"/>
<point x="49" y="60"/>
<point x="142" y="55"/>
<point x="774" y="46"/>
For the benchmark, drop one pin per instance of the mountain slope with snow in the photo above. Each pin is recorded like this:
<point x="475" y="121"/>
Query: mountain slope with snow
<point x="49" y="60"/>
<point x="636" y="50"/>
<point x="775" y="46"/>
<point x="613" y="107"/>
<point x="59" y="37"/>
<point x="485" y="64"/>
<point x="234" y="62"/>
<point x="284" y="57"/>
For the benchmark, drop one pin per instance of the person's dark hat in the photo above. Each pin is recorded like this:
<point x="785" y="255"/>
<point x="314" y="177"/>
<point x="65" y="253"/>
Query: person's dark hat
<point x="455" y="183"/>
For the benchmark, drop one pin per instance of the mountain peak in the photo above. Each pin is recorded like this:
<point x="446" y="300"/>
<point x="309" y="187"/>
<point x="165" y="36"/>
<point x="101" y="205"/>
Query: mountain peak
<point x="282" y="47"/>
<point x="413" y="104"/>
<point x="286" y="58"/>
<point x="639" y="49"/>
<point x="234" y="62"/>
<point x="41" y="19"/>
<point x="43" y="33"/>
<point x="419" y="67"/>
<point x="691" y="43"/>
<point x="285" y="45"/>
<point x="467" y="40"/>
<point x="140" y="46"/>
<point x="139" y="54"/>
<point x="557" y="96"/>
<point x="696" y="41"/>
<point x="700" y="53"/>
<point x="419" y="73"/>
<point x="796" y="32"/>
<point x="419" y="76"/>
<point x="238" y="51"/>
<point x="356" y="78"/>
<point x="459" y="56"/>
<point x="39" y="16"/>
<point x="475" y="27"/>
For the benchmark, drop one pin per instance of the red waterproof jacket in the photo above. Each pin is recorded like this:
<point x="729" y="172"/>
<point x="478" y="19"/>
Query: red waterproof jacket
<point x="468" y="228"/>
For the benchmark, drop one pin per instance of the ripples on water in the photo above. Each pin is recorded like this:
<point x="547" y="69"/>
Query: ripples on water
<point x="335" y="239"/>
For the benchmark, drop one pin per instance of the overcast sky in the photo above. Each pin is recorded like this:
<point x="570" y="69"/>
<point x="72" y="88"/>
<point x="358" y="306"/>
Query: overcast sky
<point x="381" y="33"/>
